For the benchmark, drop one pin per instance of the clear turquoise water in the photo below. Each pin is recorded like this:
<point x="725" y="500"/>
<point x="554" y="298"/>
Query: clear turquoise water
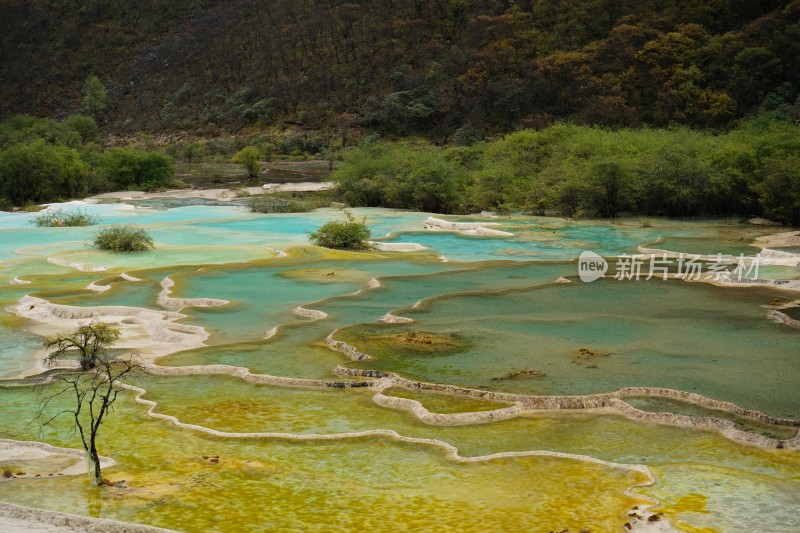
<point x="497" y="294"/>
<point x="295" y="350"/>
<point x="533" y="245"/>
<point x="18" y="349"/>
<point x="705" y="246"/>
<point x="661" y="333"/>
<point x="264" y="296"/>
<point x="668" y="405"/>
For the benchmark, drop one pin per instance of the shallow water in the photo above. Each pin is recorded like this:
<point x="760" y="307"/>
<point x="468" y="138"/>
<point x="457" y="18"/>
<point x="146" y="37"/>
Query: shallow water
<point x="496" y="304"/>
<point x="18" y="349"/>
<point x="319" y="485"/>
<point x="295" y="350"/>
<point x="264" y="296"/>
<point x="727" y="245"/>
<point x="668" y="405"/>
<point x="669" y="334"/>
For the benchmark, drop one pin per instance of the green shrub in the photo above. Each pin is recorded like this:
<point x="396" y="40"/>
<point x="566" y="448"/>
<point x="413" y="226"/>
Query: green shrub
<point x="780" y="188"/>
<point x="126" y="168"/>
<point x="249" y="157"/>
<point x="59" y="218"/>
<point x="407" y="175"/>
<point x="123" y="239"/>
<point x="348" y="234"/>
<point x="152" y="186"/>
<point x="466" y="135"/>
<point x="84" y="125"/>
<point x="38" y="171"/>
<point x="193" y="151"/>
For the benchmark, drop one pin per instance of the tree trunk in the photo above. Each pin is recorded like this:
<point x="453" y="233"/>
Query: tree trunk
<point x="93" y="465"/>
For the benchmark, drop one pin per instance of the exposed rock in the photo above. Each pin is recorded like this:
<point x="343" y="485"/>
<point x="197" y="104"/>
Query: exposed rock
<point x="585" y="353"/>
<point x="345" y="348"/>
<point x="758" y="221"/>
<point x="313" y="314"/>
<point x="389" y="318"/>
<point x="397" y="246"/>
<point x="783" y="318"/>
<point x="165" y="300"/>
<point x="521" y="374"/>
<point x="18" y="518"/>
<point x="465" y="228"/>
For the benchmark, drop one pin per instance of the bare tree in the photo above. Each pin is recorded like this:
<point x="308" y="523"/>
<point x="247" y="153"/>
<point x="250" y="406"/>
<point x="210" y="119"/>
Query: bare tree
<point x="94" y="390"/>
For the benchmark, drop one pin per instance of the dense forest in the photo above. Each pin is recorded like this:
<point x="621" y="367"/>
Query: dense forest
<point x="400" y="67"/>
<point x="44" y="160"/>
<point x="583" y="171"/>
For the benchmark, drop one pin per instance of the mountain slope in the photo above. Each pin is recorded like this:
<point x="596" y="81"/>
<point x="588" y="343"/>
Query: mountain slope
<point x="400" y="66"/>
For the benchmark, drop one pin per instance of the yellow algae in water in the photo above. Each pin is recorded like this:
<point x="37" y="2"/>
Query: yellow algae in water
<point x="163" y="255"/>
<point x="444" y="403"/>
<point x="418" y="341"/>
<point x="690" y="503"/>
<point x="378" y="341"/>
<point x="691" y="529"/>
<point x="276" y="484"/>
<point x="329" y="275"/>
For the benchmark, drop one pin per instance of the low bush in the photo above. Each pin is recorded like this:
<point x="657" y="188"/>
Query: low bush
<point x="123" y="239"/>
<point x="58" y="218"/>
<point x="348" y="234"/>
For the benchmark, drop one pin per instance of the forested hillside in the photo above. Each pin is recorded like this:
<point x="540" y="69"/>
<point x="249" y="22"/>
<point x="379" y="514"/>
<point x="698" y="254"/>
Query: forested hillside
<point x="401" y="67"/>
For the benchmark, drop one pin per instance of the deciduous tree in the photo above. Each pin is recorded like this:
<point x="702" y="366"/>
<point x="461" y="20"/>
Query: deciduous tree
<point x="249" y="157"/>
<point x="89" y="341"/>
<point x="95" y="97"/>
<point x="93" y="389"/>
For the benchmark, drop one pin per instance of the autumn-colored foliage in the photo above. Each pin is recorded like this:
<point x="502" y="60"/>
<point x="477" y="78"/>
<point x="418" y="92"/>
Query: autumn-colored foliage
<point x="403" y="67"/>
